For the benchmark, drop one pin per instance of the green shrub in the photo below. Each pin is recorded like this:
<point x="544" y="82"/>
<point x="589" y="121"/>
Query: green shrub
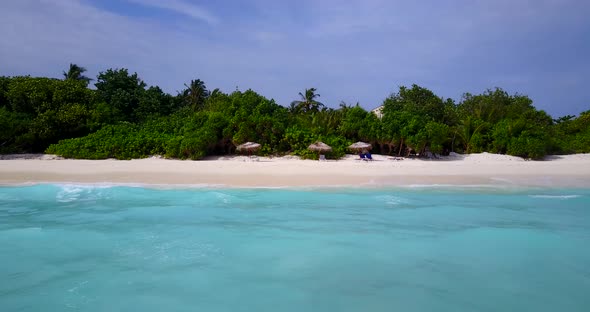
<point x="528" y="145"/>
<point x="122" y="141"/>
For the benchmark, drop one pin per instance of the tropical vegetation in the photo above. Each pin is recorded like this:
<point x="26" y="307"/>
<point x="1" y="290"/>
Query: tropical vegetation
<point x="123" y="118"/>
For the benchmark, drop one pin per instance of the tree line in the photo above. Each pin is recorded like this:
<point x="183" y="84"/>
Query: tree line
<point x="123" y="118"/>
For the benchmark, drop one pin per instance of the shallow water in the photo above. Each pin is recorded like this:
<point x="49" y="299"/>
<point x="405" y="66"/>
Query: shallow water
<point x="100" y="248"/>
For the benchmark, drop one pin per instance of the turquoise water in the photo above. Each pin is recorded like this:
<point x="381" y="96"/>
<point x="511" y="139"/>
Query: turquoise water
<point x="93" y="248"/>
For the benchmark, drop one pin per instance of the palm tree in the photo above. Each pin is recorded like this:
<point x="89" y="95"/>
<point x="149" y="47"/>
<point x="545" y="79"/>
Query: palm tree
<point x="76" y="73"/>
<point x="195" y="94"/>
<point x="467" y="129"/>
<point x="307" y="102"/>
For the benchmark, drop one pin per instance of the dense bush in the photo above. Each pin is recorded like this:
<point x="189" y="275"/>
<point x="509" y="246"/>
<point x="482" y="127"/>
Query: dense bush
<point x="572" y="135"/>
<point x="122" y="141"/>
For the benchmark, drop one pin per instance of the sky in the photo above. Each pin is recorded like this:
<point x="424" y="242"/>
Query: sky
<point x="351" y="51"/>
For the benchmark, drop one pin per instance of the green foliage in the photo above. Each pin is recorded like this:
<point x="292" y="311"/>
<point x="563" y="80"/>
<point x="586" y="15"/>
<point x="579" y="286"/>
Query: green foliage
<point x="4" y="83"/>
<point x="193" y="145"/>
<point x="307" y="103"/>
<point x="53" y="109"/>
<point x="417" y="101"/>
<point x="497" y="122"/>
<point x="435" y="135"/>
<point x="354" y="124"/>
<point x="523" y="137"/>
<point x="195" y="94"/>
<point x="30" y="95"/>
<point x="255" y="118"/>
<point x="406" y="115"/>
<point x="297" y="140"/>
<point x="503" y="133"/>
<point x="339" y="146"/>
<point x="494" y="105"/>
<point x="154" y="103"/>
<point x="14" y="133"/>
<point x="528" y="145"/>
<point x="122" y="141"/>
<point x="76" y="72"/>
<point x="572" y="135"/>
<point x="124" y="119"/>
<point x="121" y="91"/>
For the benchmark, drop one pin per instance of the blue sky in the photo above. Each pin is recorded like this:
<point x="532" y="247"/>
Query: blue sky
<point x="352" y="51"/>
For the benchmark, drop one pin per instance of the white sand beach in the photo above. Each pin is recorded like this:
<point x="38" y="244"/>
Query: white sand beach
<point x="241" y="171"/>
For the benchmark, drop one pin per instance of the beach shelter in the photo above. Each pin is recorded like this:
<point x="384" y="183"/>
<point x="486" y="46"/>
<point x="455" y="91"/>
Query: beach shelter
<point x="248" y="147"/>
<point x="360" y="146"/>
<point x="320" y="147"/>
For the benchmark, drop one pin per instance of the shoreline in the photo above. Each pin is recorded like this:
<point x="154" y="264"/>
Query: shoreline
<point x="571" y="171"/>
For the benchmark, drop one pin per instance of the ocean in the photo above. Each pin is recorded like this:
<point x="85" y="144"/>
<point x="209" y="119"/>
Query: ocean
<point x="420" y="248"/>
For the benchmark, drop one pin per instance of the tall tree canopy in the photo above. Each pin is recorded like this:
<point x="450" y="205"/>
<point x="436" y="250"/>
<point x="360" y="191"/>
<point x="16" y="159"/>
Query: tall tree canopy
<point x="410" y="118"/>
<point x="121" y="92"/>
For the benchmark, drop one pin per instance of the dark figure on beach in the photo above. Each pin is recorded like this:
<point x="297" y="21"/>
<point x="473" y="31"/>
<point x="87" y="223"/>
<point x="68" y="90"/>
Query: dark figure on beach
<point x="365" y="155"/>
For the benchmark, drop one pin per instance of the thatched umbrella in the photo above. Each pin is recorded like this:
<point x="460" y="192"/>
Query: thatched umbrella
<point x="359" y="146"/>
<point x="249" y="147"/>
<point x="320" y="147"/>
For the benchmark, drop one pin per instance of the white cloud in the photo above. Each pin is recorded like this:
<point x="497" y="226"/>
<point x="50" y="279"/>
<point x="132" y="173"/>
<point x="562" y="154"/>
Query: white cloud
<point x="181" y="7"/>
<point x="41" y="37"/>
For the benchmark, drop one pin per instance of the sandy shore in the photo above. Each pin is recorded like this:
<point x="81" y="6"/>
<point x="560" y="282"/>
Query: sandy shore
<point x="239" y="171"/>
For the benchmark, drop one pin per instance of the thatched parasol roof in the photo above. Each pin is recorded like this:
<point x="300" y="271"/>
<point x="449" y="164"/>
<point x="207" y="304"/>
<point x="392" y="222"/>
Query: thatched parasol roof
<point x="248" y="146"/>
<point x="360" y="146"/>
<point x="320" y="147"/>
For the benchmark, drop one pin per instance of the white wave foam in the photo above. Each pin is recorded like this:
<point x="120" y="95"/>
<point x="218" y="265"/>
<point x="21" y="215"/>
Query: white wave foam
<point x="456" y="186"/>
<point x="181" y="186"/>
<point x="89" y="186"/>
<point x="103" y="185"/>
<point x="75" y="288"/>
<point x="69" y="194"/>
<point x="225" y="198"/>
<point x="392" y="200"/>
<point x="75" y="192"/>
<point x="556" y="196"/>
